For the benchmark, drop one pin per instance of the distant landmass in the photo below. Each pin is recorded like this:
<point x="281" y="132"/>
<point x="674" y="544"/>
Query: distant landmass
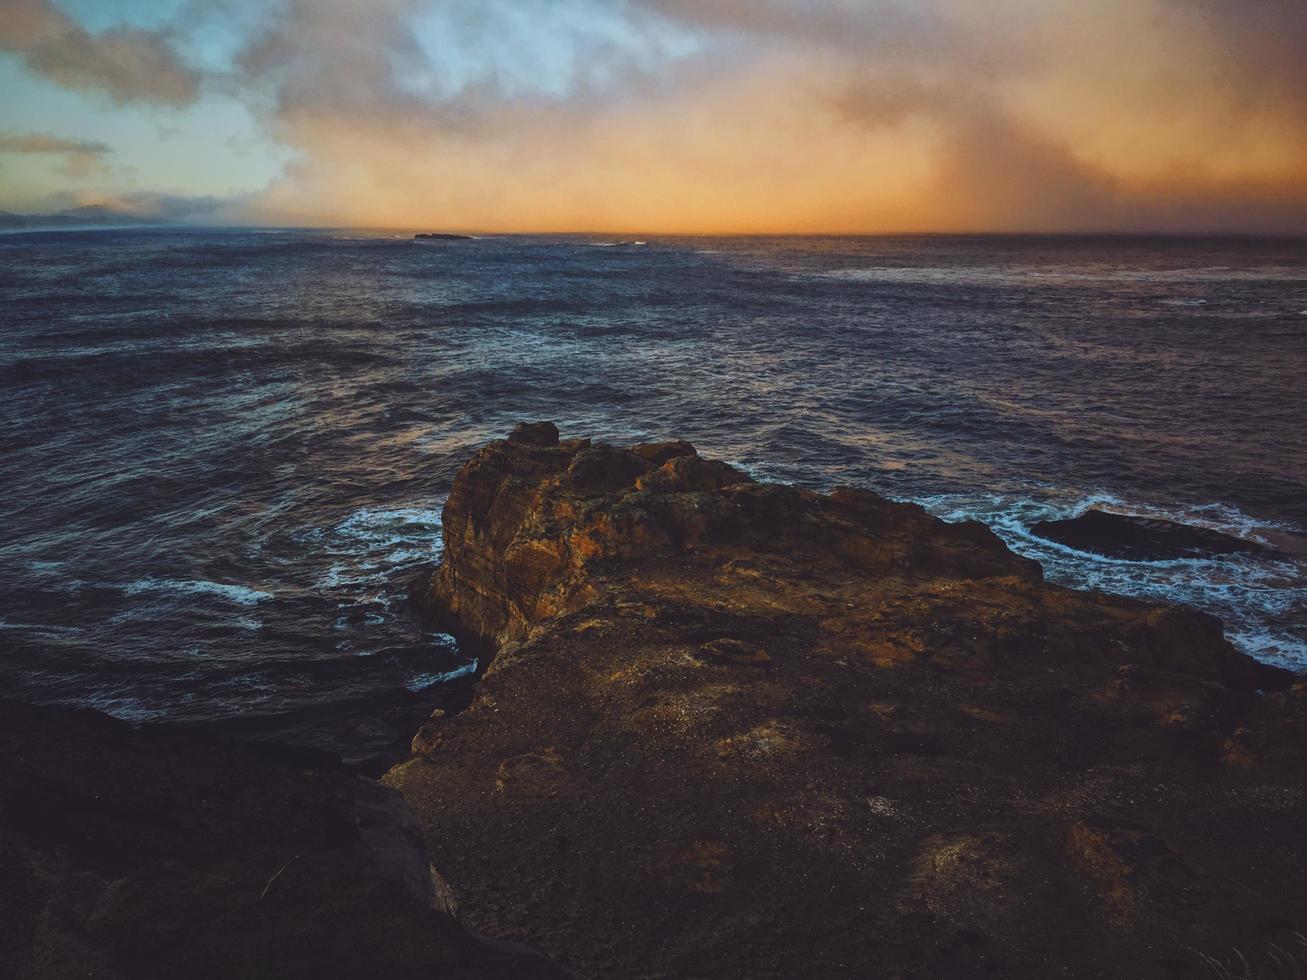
<point x="442" y="237"/>
<point x="94" y="215"/>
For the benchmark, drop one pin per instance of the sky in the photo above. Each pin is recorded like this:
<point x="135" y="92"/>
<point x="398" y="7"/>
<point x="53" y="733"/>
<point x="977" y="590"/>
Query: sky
<point x="662" y="116"/>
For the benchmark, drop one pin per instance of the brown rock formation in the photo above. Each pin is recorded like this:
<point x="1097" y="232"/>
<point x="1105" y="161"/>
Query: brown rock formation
<point x="740" y="730"/>
<point x="159" y="854"/>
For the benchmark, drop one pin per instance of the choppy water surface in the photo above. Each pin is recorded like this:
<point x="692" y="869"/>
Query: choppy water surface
<point x="225" y="452"/>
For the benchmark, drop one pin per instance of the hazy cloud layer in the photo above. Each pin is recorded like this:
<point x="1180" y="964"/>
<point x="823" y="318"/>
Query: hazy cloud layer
<point x="124" y="64"/>
<point x="762" y="115"/>
<point x="144" y="204"/>
<point x="834" y="115"/>
<point x="81" y="158"/>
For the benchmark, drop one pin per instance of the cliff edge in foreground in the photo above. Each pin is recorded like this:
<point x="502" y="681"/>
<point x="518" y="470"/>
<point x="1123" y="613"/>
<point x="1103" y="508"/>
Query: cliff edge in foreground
<point x="162" y="854"/>
<point x="739" y="730"/>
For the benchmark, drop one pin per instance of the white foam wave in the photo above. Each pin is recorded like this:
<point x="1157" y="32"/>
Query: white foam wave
<point x="381" y="525"/>
<point x="1262" y="598"/>
<point x="1270" y="646"/>
<point x="421" y="682"/>
<point x="239" y="594"/>
<point x="371" y="544"/>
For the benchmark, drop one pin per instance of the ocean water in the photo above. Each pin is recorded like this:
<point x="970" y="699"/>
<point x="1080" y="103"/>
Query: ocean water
<point x="225" y="452"/>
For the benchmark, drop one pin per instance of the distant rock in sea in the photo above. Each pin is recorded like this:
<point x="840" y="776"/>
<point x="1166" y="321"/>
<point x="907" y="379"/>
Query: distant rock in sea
<point x="1101" y="532"/>
<point x="442" y="237"/>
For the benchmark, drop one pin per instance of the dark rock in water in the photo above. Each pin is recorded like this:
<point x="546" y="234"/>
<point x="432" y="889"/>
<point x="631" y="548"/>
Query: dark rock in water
<point x="442" y="237"/>
<point x="159" y="853"/>
<point x="730" y="729"/>
<point x="1139" y="538"/>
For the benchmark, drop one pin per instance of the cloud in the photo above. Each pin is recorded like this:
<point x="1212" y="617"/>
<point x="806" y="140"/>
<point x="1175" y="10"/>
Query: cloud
<point x="143" y="204"/>
<point x="760" y="115"/>
<point x="829" y="115"/>
<point x="1263" y="45"/>
<point x="81" y="158"/>
<point x="125" y="64"/>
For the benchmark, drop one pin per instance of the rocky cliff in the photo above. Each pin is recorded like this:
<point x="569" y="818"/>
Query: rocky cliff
<point x="738" y="730"/>
<point x="158" y="854"/>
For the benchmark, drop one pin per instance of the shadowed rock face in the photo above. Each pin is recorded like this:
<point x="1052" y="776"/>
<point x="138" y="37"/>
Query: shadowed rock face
<point x="163" y="854"/>
<point x="1139" y="538"/>
<point x="740" y="730"/>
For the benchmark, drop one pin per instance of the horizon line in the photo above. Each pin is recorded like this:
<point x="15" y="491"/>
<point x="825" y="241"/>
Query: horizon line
<point x="144" y="223"/>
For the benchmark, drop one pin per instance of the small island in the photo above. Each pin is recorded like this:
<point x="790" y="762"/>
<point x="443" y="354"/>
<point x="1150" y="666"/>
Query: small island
<point x="441" y="237"/>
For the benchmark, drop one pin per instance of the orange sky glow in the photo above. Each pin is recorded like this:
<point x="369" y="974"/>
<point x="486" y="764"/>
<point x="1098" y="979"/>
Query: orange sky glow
<point x="773" y="116"/>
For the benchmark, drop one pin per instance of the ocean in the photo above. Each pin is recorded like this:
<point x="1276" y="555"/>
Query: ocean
<point x="225" y="451"/>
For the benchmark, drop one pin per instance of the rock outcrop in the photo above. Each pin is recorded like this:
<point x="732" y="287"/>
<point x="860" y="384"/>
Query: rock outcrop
<point x="731" y="729"/>
<point x="158" y="854"/>
<point x="1130" y="538"/>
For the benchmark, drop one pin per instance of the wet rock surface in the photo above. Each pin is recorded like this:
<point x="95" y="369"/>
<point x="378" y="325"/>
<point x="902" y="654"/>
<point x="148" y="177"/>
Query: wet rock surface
<point x="1122" y="536"/>
<point x="739" y="730"/>
<point x="159" y="853"/>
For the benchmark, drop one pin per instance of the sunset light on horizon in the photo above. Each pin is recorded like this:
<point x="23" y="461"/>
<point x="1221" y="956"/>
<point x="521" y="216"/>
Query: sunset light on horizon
<point x="661" y="116"/>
